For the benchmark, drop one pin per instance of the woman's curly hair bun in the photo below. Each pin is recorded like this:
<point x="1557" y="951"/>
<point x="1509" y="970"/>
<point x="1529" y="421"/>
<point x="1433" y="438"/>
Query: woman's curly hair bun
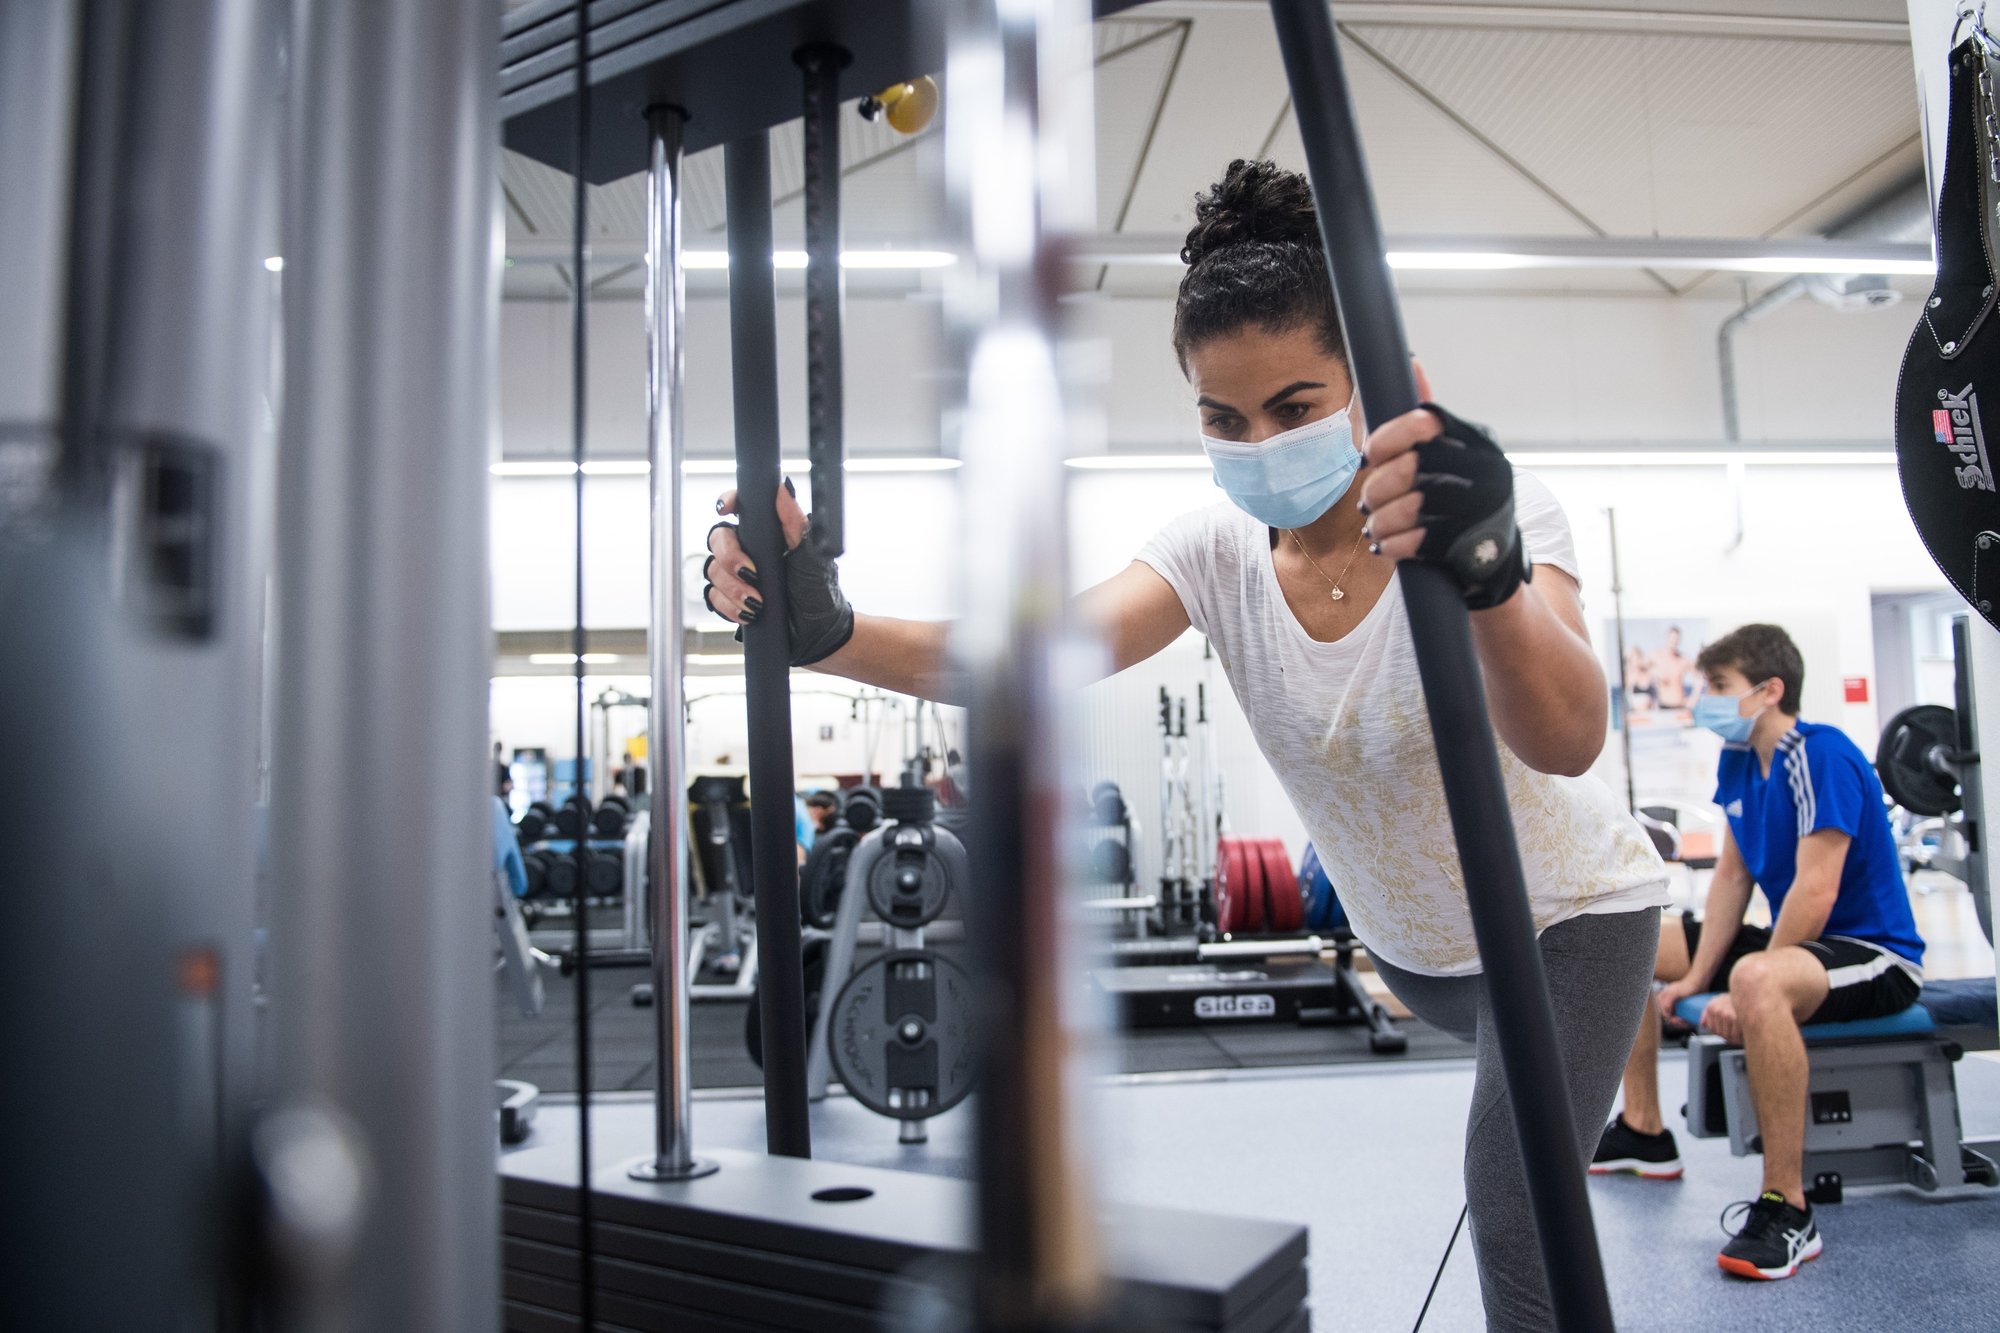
<point x="1254" y="201"/>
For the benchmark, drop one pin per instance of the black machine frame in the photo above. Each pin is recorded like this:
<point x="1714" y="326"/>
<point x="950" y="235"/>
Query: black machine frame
<point x="732" y="66"/>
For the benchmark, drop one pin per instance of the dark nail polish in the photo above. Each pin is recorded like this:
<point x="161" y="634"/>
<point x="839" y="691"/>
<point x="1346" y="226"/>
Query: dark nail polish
<point x="790" y="489"/>
<point x="1365" y="510"/>
<point x="748" y="617"/>
<point x="1368" y="530"/>
<point x="756" y="607"/>
<point x="1374" y="548"/>
<point x="1364" y="460"/>
<point x="748" y="575"/>
<point x="718" y="504"/>
<point x="739" y="636"/>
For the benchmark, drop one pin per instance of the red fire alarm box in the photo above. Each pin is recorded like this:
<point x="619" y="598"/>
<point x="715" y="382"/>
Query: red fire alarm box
<point x="1856" y="688"/>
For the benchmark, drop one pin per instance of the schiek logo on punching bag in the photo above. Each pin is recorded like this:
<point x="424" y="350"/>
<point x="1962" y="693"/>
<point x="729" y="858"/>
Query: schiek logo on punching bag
<point x="1953" y="357"/>
<point x="1956" y="425"/>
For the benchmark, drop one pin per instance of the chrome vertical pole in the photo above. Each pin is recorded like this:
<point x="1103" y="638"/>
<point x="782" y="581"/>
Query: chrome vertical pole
<point x="666" y="848"/>
<point x="380" y="1156"/>
<point x="1018" y="152"/>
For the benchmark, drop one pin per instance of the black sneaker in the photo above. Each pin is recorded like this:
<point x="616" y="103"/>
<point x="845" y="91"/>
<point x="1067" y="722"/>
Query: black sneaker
<point x="1649" y="1156"/>
<point x="1774" y="1240"/>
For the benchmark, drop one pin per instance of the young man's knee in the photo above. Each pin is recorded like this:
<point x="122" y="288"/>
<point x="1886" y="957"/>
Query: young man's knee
<point x="1757" y="986"/>
<point x="1670" y="955"/>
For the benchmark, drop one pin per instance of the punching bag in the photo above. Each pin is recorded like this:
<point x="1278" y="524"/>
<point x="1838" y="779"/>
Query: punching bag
<point x="1950" y="379"/>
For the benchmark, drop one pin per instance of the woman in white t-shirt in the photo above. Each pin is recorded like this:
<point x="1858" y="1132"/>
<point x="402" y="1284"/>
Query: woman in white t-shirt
<point x="1293" y="582"/>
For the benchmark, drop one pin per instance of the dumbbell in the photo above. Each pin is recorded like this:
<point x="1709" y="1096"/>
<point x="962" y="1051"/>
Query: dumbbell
<point x="532" y="827"/>
<point x="537" y="866"/>
<point x="569" y="818"/>
<point x="560" y="880"/>
<point x="607" y="872"/>
<point x="613" y="817"/>
<point x="862" y="809"/>
<point x="1107" y="803"/>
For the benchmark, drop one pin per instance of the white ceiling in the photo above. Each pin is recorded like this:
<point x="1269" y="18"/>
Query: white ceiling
<point x="1724" y="118"/>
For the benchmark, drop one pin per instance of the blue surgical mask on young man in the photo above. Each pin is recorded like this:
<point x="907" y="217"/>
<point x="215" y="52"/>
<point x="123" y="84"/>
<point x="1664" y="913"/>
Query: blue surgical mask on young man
<point x="1718" y="712"/>
<point x="1291" y="478"/>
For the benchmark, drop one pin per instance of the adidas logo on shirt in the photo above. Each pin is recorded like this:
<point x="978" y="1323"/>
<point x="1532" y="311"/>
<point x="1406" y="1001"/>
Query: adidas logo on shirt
<point x="1734" y="809"/>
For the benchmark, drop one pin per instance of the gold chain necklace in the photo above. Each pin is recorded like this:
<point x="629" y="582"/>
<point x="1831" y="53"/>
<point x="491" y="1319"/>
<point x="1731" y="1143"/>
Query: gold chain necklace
<point x="1352" y="555"/>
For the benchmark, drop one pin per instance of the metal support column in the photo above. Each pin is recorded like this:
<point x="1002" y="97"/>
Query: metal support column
<point x="1018" y="150"/>
<point x="136" y="153"/>
<point x="666" y="746"/>
<point x="826" y="446"/>
<point x="1454" y="695"/>
<point x="753" y="347"/>
<point x="382" y="987"/>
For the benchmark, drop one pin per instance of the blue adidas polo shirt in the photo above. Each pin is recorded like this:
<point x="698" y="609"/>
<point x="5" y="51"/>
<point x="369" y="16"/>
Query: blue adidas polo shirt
<point x="1820" y="780"/>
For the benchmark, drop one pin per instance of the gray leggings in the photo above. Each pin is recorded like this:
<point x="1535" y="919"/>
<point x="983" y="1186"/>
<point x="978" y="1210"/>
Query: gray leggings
<point x="1599" y="970"/>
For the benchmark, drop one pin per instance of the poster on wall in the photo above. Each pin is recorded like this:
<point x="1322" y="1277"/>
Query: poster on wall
<point x="1653" y="691"/>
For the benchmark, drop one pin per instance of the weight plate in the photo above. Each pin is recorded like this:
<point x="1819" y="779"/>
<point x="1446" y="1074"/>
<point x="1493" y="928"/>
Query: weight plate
<point x="1286" y="910"/>
<point x="1111" y="861"/>
<point x="1231" y="868"/>
<point x="560" y="881"/>
<point x="607" y="874"/>
<point x="900" y="1034"/>
<point x="909" y="805"/>
<point x="862" y="809"/>
<point x="907" y="885"/>
<point x="1107" y="803"/>
<point x="1901" y="760"/>
<point x="1323" y="911"/>
<point x="1240" y="885"/>
<point x="825" y="875"/>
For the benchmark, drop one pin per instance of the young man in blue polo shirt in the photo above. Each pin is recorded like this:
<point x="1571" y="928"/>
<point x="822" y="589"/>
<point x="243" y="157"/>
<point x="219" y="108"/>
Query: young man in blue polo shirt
<point x="1806" y="825"/>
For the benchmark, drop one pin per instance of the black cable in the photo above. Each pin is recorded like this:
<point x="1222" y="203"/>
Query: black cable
<point x="1438" y="1276"/>
<point x="579" y="261"/>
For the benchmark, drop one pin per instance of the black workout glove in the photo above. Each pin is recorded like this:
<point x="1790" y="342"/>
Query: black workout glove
<point x="1468" y="513"/>
<point x="821" y="621"/>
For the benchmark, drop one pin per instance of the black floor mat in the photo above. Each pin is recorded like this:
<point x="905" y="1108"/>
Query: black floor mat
<point x="542" y="1050"/>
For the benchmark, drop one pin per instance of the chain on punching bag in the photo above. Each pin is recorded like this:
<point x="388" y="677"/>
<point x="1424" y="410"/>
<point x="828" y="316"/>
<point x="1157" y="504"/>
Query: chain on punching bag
<point x="1950" y="378"/>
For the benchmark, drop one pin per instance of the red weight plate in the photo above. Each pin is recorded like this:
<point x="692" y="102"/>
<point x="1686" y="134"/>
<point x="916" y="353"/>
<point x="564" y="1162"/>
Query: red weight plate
<point x="1281" y="883"/>
<point x="1255" y="915"/>
<point x="1230" y="868"/>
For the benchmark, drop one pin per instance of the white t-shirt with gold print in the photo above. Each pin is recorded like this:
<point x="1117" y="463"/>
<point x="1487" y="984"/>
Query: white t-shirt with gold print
<point x="1343" y="725"/>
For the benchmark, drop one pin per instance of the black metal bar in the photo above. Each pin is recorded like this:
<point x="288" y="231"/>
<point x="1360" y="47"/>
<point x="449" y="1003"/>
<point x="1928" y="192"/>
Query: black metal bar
<point x="753" y="350"/>
<point x="1454" y="695"/>
<point x="826" y="446"/>
<point x="579" y="380"/>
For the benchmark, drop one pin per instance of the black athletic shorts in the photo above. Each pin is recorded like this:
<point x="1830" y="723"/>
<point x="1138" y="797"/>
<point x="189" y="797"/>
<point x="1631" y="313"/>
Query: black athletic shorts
<point x="1864" y="980"/>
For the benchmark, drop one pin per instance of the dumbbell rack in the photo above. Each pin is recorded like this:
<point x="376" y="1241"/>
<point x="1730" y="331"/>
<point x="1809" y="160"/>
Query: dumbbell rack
<point x="1111" y="885"/>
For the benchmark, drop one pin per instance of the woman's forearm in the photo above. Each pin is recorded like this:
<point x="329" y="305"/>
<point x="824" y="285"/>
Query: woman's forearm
<point x="907" y="656"/>
<point x="1542" y="680"/>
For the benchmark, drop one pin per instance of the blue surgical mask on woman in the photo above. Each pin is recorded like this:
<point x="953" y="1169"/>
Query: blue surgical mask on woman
<point x="1293" y="477"/>
<point x="1718" y="712"/>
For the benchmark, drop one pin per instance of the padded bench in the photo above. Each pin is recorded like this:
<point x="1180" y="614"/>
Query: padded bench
<point x="1882" y="1103"/>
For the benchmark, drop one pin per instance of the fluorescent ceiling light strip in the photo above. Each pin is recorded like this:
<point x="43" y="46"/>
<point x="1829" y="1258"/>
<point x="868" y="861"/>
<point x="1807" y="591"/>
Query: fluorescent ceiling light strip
<point x="1703" y="458"/>
<point x="714" y="659"/>
<point x="693" y="260"/>
<point x="704" y="467"/>
<point x="1140" y="463"/>
<point x="1554" y="458"/>
<point x="569" y="659"/>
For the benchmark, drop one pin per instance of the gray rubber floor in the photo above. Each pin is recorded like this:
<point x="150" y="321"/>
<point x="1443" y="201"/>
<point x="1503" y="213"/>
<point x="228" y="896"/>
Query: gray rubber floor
<point x="1367" y="1157"/>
